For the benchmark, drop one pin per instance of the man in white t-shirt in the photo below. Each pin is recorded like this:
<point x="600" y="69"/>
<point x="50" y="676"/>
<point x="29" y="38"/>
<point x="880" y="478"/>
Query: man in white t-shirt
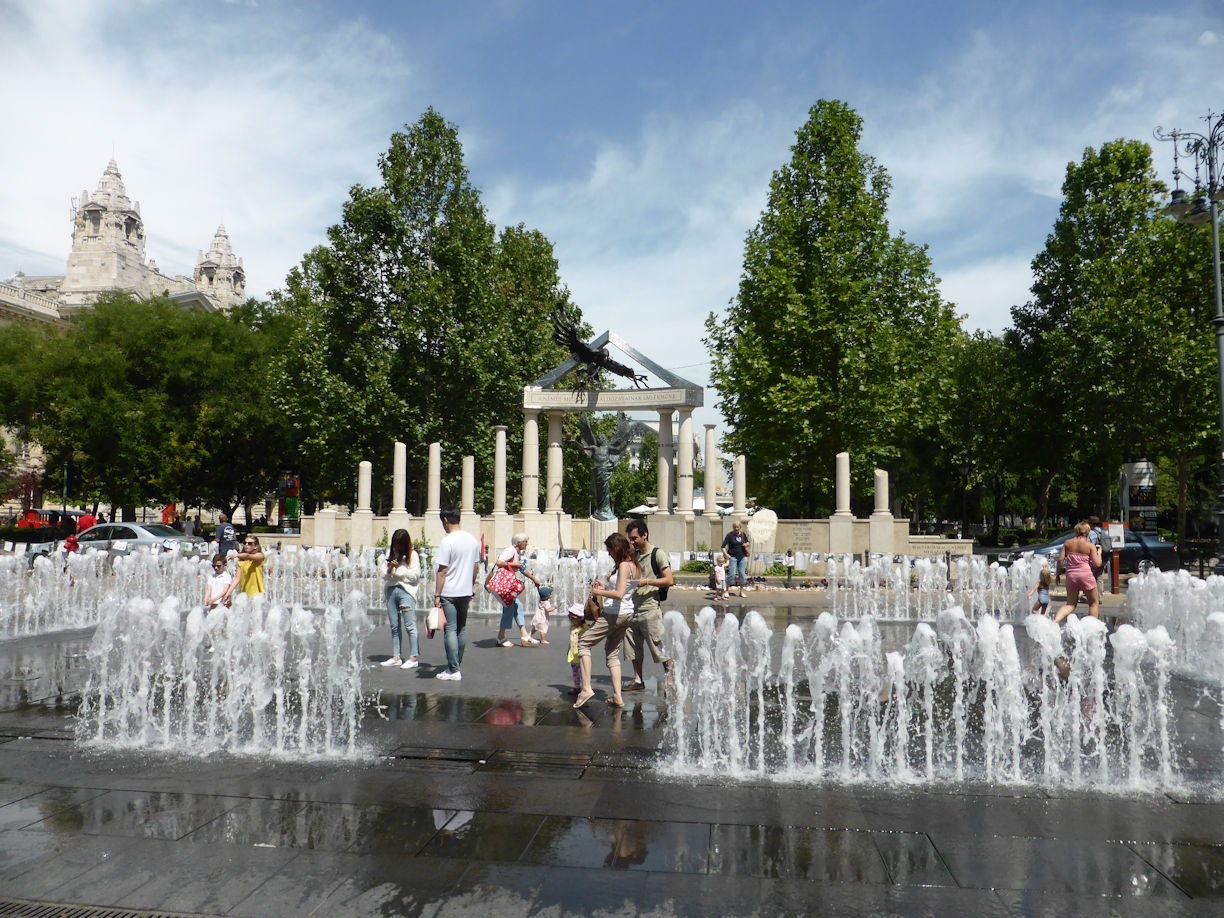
<point x="457" y="558"/>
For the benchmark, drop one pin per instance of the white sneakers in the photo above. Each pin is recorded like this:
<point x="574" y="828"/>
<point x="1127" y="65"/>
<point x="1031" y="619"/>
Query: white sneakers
<point x="410" y="664"/>
<point x="447" y="674"/>
<point x="393" y="661"/>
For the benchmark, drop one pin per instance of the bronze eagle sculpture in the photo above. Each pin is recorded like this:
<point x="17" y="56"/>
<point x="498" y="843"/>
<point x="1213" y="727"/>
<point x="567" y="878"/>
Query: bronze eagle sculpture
<point x="592" y="360"/>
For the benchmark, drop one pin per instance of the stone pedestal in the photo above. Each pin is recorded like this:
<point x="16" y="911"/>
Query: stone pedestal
<point x="362" y="532"/>
<point x="881" y="531"/>
<point x="600" y="530"/>
<point x="503" y="529"/>
<point x="398" y="519"/>
<point x="325" y="529"/>
<point x="546" y="530"/>
<point x="671" y="532"/>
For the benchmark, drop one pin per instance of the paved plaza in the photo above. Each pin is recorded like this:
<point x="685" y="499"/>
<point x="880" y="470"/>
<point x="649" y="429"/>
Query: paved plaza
<point x="492" y="797"/>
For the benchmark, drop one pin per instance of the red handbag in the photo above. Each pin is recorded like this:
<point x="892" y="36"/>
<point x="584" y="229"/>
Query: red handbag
<point x="503" y="584"/>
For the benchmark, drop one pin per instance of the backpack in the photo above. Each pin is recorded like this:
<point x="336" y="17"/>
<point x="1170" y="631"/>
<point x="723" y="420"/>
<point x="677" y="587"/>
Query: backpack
<point x="654" y="566"/>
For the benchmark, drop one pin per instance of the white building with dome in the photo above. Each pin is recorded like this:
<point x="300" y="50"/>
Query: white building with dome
<point x="108" y="254"/>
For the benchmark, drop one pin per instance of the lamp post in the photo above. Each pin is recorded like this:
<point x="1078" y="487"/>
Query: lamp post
<point x="1204" y="149"/>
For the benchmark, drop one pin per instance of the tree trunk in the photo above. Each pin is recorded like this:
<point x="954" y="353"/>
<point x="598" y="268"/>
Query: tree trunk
<point x="1183" y="484"/>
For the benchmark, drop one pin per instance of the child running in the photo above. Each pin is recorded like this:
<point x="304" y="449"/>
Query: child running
<point x="578" y="627"/>
<point x="1042" y="589"/>
<point x="539" y="621"/>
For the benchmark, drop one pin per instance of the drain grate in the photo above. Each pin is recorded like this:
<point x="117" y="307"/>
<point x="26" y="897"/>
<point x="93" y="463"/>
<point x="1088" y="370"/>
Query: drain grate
<point x="21" y="908"/>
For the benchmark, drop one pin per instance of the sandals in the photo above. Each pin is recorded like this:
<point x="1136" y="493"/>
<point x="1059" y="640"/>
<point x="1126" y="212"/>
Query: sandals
<point x="505" y="644"/>
<point x="529" y="642"/>
<point x="583" y="698"/>
<point x="616" y="703"/>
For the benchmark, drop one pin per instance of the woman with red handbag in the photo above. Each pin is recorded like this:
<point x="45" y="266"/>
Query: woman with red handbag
<point x="512" y="612"/>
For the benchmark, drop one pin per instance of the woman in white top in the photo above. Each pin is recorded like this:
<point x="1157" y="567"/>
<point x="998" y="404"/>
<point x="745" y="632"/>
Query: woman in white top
<point x="614" y="619"/>
<point x="512" y="614"/>
<point x="402" y="587"/>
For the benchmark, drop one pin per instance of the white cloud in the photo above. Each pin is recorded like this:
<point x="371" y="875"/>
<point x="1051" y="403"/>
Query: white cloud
<point x="247" y="120"/>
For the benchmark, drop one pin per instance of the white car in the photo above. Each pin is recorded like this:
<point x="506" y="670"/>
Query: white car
<point x="124" y="537"/>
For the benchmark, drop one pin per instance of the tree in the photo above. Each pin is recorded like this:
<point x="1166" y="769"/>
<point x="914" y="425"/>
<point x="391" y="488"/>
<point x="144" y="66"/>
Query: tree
<point x="838" y="338"/>
<point x="417" y="322"/>
<point x="1119" y="296"/>
<point x="152" y="403"/>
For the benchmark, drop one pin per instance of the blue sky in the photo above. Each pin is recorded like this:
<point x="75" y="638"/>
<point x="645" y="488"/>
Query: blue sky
<point x="639" y="137"/>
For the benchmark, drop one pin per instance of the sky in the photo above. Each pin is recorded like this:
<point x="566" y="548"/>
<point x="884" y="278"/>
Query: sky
<point x="639" y="137"/>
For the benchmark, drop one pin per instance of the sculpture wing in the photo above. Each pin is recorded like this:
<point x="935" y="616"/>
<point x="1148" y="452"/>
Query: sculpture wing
<point x="566" y="335"/>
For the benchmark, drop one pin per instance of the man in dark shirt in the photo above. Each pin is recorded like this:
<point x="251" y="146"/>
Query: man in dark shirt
<point x="224" y="535"/>
<point x="737" y="550"/>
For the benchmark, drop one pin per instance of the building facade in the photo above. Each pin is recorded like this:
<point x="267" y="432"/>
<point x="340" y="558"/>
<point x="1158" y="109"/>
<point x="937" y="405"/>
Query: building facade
<point x="108" y="255"/>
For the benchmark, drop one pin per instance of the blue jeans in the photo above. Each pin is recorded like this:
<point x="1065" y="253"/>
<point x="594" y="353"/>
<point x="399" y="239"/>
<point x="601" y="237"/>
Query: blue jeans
<point x="512" y="615"/>
<point x="455" y="635"/>
<point x="400" y="603"/>
<point x="737" y="570"/>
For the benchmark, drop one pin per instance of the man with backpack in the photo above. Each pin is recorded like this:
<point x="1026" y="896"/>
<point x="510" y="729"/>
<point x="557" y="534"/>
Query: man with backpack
<point x="647" y="625"/>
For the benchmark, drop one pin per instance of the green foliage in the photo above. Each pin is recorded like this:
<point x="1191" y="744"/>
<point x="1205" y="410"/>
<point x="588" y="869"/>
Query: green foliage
<point x="152" y="403"/>
<point x="417" y="322"/>
<point x="838" y="338"/>
<point x="693" y="566"/>
<point x="1118" y="325"/>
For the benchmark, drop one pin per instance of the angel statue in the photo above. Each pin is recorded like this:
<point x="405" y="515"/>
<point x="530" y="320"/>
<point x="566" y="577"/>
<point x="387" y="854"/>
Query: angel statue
<point x="566" y="335"/>
<point x="605" y="454"/>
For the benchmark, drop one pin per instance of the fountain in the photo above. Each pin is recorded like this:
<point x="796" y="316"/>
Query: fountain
<point x="255" y="678"/>
<point x="871" y="701"/>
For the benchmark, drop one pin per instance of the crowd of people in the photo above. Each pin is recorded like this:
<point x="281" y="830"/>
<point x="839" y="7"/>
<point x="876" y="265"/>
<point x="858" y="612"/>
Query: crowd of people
<point x="623" y="611"/>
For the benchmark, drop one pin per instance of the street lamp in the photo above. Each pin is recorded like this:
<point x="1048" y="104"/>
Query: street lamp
<point x="1205" y="150"/>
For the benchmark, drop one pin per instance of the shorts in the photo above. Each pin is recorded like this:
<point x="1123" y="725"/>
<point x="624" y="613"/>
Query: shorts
<point x="646" y="627"/>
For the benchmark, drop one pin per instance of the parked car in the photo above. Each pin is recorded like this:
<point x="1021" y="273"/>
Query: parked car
<point x="1142" y="552"/>
<point x="123" y="537"/>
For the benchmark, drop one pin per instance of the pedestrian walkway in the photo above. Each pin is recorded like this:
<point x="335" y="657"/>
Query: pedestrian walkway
<point x="493" y="797"/>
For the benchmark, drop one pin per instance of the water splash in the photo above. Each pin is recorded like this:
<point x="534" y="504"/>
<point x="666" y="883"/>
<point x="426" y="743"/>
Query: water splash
<point x="251" y="679"/>
<point x="960" y="701"/>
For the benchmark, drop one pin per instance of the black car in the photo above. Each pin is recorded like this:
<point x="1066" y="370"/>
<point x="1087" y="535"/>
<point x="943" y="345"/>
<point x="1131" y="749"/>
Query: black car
<point x="1143" y="552"/>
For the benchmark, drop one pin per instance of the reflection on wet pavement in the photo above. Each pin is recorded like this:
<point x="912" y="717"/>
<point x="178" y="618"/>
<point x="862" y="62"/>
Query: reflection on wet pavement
<point x="499" y="805"/>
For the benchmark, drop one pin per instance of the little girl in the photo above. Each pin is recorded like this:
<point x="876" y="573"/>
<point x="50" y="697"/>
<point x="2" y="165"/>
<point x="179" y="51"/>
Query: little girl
<point x="539" y="621"/>
<point x="218" y="584"/>
<point x="720" y="576"/>
<point x="1042" y="589"/>
<point x="578" y="627"/>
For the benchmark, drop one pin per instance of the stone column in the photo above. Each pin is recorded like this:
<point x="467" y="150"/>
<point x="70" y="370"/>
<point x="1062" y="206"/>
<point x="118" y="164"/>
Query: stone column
<point x="363" y="517"/>
<point x="711" y="473"/>
<point x="841" y="523"/>
<point x="433" y="496"/>
<point x="399" y="474"/>
<point x="398" y="518"/>
<point x="843" y="484"/>
<point x="664" y="476"/>
<point x="467" y="501"/>
<point x="531" y="461"/>
<point x="552" y="490"/>
<point x="739" y="509"/>
<point x="503" y="528"/>
<point x="880" y="530"/>
<point x="499" y="470"/>
<point x="684" y="459"/>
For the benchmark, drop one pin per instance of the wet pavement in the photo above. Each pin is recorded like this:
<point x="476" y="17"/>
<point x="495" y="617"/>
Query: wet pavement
<point x="492" y="797"/>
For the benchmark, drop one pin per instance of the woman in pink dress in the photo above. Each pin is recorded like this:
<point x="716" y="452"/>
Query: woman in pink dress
<point x="1078" y="558"/>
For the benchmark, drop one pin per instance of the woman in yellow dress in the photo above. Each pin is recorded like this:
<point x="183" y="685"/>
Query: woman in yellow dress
<point x="250" y="579"/>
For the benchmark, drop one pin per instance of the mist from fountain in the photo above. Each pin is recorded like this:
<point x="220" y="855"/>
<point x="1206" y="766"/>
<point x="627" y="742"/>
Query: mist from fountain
<point x="960" y="701"/>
